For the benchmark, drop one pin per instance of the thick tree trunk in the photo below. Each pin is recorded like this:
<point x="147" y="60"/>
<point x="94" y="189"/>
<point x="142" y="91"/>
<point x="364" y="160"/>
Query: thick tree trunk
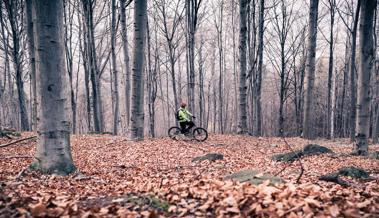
<point x="242" y="79"/>
<point x="114" y="71"/>
<point x="137" y="118"/>
<point x="32" y="62"/>
<point x="366" y="60"/>
<point x="125" y="48"/>
<point x="311" y="62"/>
<point x="53" y="154"/>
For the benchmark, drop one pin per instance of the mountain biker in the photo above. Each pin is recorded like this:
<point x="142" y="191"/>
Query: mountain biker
<point x="184" y="118"/>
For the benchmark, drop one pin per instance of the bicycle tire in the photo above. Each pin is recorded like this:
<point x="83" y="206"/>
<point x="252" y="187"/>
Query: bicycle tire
<point x="173" y="132"/>
<point x="200" y="134"/>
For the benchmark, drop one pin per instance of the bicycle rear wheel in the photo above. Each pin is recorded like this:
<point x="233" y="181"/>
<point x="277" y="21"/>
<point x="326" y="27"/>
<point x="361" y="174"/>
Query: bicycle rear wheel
<point x="173" y="132"/>
<point x="200" y="134"/>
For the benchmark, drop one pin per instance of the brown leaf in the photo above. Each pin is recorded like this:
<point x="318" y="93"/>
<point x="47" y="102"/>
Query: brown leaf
<point x="38" y="209"/>
<point x="334" y="210"/>
<point x="55" y="212"/>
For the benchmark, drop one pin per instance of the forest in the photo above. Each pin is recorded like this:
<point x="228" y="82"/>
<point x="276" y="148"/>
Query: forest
<point x="189" y="108"/>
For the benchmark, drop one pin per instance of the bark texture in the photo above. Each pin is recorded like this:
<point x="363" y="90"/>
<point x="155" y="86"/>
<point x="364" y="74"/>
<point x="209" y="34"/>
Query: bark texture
<point x="125" y="49"/>
<point x="242" y="79"/>
<point x="366" y="61"/>
<point x="32" y="62"/>
<point x="310" y="77"/>
<point x="53" y="154"/>
<point x="115" y="93"/>
<point x="137" y="120"/>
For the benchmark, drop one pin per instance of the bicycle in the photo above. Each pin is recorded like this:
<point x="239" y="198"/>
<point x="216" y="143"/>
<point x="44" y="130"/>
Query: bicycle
<point x="198" y="133"/>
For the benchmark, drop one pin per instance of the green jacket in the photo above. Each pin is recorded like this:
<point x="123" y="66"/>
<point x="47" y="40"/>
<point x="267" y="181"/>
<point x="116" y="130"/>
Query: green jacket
<point x="184" y="115"/>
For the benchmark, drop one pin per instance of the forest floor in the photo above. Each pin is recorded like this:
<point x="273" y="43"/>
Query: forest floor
<point x="157" y="178"/>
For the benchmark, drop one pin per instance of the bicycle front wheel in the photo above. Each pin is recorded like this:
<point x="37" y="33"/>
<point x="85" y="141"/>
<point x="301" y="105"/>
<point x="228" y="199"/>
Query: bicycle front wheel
<point x="200" y="134"/>
<point x="173" y="132"/>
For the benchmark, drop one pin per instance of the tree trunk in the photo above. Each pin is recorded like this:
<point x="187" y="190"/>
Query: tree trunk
<point x="68" y="22"/>
<point x="32" y="63"/>
<point x="366" y="60"/>
<point x="345" y="81"/>
<point x="242" y="79"/>
<point x="282" y="87"/>
<point x="201" y="84"/>
<point x="53" y="154"/>
<point x="191" y="9"/>
<point x="12" y="8"/>
<point x="125" y="48"/>
<point x="311" y="62"/>
<point x="353" y="85"/>
<point x="375" y="127"/>
<point x="330" y="118"/>
<point x="137" y="118"/>
<point x="114" y="69"/>
<point x="93" y="68"/>
<point x="260" y="69"/>
<point x="221" y="71"/>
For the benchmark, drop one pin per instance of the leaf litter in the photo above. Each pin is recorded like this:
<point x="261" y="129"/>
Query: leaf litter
<point x="157" y="178"/>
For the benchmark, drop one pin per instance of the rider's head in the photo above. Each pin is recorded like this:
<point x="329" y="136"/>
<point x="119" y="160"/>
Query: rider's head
<point x="183" y="105"/>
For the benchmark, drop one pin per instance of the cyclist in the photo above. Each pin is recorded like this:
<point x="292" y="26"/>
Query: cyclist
<point x="184" y="118"/>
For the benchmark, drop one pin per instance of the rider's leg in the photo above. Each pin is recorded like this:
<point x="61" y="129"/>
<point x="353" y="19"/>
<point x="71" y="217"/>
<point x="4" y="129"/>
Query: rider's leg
<point x="182" y="127"/>
<point x="190" y="125"/>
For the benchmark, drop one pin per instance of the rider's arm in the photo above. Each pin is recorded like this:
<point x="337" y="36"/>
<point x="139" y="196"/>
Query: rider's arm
<point x="182" y="115"/>
<point x="189" y="113"/>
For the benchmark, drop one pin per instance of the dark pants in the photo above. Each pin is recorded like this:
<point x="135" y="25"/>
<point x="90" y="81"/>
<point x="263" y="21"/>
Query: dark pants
<point x="186" y="126"/>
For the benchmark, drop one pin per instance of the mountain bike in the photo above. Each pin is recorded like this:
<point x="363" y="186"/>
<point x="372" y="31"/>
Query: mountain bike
<point x="197" y="133"/>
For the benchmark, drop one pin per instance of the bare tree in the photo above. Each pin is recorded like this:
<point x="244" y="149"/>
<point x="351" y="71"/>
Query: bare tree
<point x="258" y="84"/>
<point x="29" y="27"/>
<point x="170" y="28"/>
<point x="310" y="76"/>
<point x="69" y="8"/>
<point x="366" y="61"/>
<point x="219" y="24"/>
<point x="115" y="95"/>
<point x="137" y="118"/>
<point x="14" y="15"/>
<point x="330" y="113"/>
<point x="53" y="154"/>
<point x="353" y="85"/>
<point x="242" y="79"/>
<point x="88" y="8"/>
<point x="152" y="79"/>
<point x="125" y="47"/>
<point x="192" y="11"/>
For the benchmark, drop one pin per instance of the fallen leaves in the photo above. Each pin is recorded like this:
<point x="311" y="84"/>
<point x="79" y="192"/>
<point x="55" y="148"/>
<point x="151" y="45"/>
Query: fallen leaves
<point x="156" y="178"/>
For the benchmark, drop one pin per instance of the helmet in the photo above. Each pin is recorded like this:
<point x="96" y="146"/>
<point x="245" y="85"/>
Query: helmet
<point x="183" y="104"/>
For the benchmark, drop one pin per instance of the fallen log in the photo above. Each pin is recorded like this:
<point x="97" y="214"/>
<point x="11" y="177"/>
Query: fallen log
<point x="17" y="141"/>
